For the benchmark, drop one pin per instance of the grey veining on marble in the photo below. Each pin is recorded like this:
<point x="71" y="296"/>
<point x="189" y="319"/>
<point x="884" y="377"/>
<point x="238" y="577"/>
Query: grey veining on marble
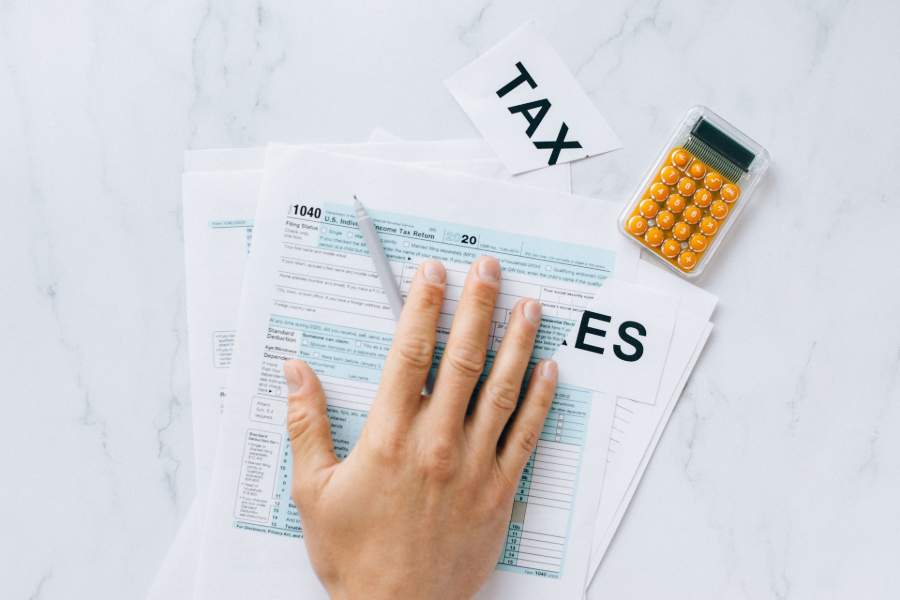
<point x="779" y="475"/>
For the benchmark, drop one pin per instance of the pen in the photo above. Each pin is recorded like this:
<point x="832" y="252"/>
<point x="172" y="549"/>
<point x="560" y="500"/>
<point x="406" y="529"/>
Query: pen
<point x="383" y="269"/>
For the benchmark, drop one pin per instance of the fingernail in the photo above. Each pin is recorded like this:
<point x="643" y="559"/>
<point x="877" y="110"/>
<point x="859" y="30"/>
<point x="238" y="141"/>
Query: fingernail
<point x="433" y="271"/>
<point x="294" y="377"/>
<point x="489" y="269"/>
<point x="532" y="311"/>
<point x="548" y="369"/>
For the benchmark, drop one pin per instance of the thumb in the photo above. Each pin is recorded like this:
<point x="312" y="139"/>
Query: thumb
<point x="307" y="426"/>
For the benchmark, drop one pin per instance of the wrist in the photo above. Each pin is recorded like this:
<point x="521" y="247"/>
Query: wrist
<point x="379" y="590"/>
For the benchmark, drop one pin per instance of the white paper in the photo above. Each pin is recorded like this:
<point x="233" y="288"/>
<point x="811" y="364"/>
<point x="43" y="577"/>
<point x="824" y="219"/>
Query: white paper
<point x="238" y="563"/>
<point x="446" y="155"/>
<point x="234" y="159"/>
<point x="558" y="177"/>
<point x="175" y="578"/>
<point x="219" y="208"/>
<point x="528" y="106"/>
<point x="637" y="426"/>
<point x="621" y="342"/>
<point x="608" y="518"/>
<point x="218" y="224"/>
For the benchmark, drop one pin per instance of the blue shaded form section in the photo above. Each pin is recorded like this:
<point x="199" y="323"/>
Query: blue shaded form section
<point x="411" y="239"/>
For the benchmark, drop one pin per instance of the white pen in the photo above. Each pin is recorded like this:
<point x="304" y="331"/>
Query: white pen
<point x="383" y="269"/>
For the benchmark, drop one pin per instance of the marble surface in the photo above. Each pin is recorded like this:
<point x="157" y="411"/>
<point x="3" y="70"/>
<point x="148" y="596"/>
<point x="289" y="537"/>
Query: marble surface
<point x="779" y="475"/>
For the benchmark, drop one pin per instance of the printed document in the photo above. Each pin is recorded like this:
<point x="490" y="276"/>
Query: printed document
<point x="310" y="291"/>
<point x="219" y="208"/>
<point x="218" y="221"/>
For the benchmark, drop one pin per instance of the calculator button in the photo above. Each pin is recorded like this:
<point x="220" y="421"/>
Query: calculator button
<point x="637" y="225"/>
<point x="648" y="208"/>
<point x="665" y="219"/>
<point x="709" y="226"/>
<point x="692" y="214"/>
<point x="686" y="186"/>
<point x="654" y="236"/>
<point x="670" y="248"/>
<point x="718" y="209"/>
<point x="703" y="197"/>
<point x="730" y="192"/>
<point x="669" y="175"/>
<point x="713" y="181"/>
<point x="681" y="231"/>
<point x="699" y="242"/>
<point x="697" y="170"/>
<point x="687" y="260"/>
<point x="676" y="203"/>
<point x="680" y="158"/>
<point x="659" y="191"/>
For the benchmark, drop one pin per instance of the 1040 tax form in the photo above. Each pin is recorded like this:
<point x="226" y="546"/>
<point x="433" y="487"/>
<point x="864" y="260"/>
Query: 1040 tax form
<point x="310" y="291"/>
<point x="219" y="195"/>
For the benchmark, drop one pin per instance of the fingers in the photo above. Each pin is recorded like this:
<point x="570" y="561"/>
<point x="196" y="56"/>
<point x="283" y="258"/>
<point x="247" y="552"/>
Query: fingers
<point x="500" y="393"/>
<point x="523" y="434"/>
<point x="307" y="425"/>
<point x="464" y="356"/>
<point x="411" y="353"/>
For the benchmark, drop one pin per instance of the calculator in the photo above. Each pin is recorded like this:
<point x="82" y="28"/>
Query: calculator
<point x="694" y="193"/>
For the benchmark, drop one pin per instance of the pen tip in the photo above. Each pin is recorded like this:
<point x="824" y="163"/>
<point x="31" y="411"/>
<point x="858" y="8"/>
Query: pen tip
<point x="359" y="208"/>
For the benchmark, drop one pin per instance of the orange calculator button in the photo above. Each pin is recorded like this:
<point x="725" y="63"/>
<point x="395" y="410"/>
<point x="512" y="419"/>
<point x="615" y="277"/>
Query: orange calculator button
<point x="665" y="219"/>
<point x="692" y="214"/>
<point x="703" y="197"/>
<point x="697" y="170"/>
<point x="686" y="186"/>
<point x="649" y="208"/>
<point x="718" y="209"/>
<point x="659" y="191"/>
<point x="654" y="236"/>
<point x="681" y="231"/>
<point x="637" y="225"/>
<point x="687" y="260"/>
<point x="730" y="192"/>
<point x="669" y="175"/>
<point x="713" y="181"/>
<point x="699" y="242"/>
<point x="676" y="203"/>
<point x="670" y="248"/>
<point x="680" y="158"/>
<point x="709" y="226"/>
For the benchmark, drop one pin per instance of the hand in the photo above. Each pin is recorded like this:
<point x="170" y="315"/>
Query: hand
<point x="419" y="508"/>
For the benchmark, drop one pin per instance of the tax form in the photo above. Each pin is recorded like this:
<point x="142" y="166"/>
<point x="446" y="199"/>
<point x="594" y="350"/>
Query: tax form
<point x="220" y="197"/>
<point x="310" y="291"/>
<point x="224" y="229"/>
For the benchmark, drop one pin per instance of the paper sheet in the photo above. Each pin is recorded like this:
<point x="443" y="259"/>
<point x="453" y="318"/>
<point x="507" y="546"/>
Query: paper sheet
<point x="621" y="342"/>
<point x="528" y="106"/>
<point x="495" y="168"/>
<point x="608" y="522"/>
<point x="237" y="562"/>
<point x="219" y="208"/>
<point x="466" y="156"/>
<point x="236" y="159"/>
<point x="638" y="427"/>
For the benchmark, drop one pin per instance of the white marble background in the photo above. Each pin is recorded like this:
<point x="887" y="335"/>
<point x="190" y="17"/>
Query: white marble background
<point x="779" y="476"/>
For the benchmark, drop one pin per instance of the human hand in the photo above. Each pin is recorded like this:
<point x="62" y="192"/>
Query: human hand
<point x="419" y="508"/>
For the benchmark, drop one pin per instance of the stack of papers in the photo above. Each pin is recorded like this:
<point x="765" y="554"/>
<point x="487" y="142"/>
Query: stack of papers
<point x="276" y="269"/>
